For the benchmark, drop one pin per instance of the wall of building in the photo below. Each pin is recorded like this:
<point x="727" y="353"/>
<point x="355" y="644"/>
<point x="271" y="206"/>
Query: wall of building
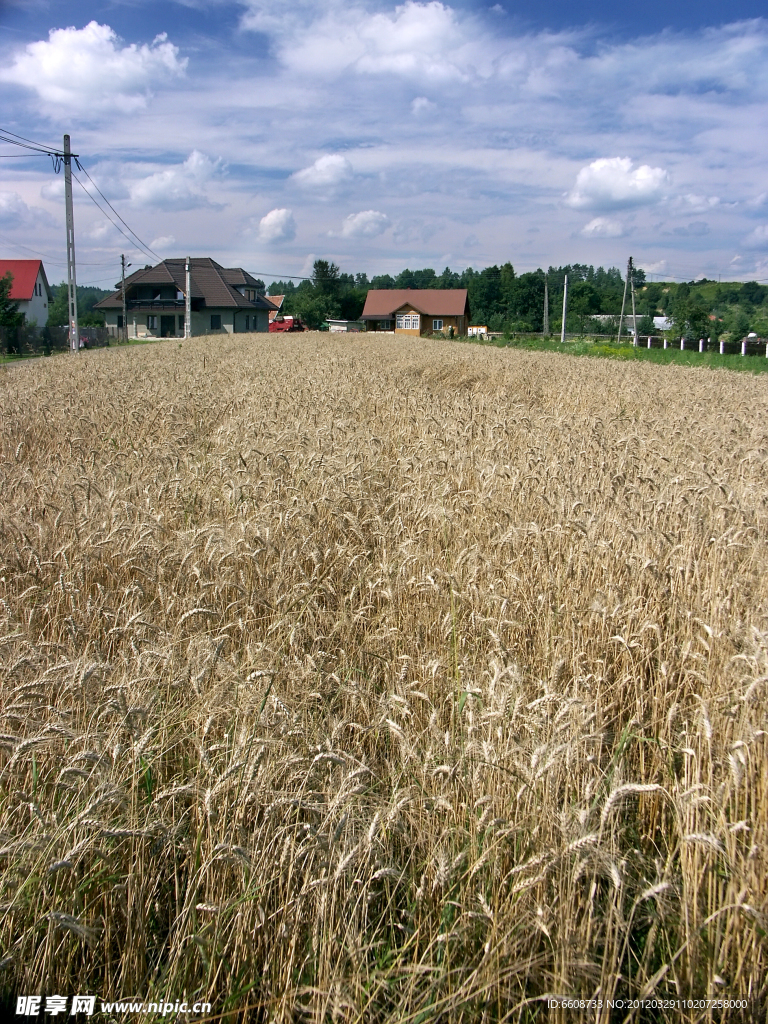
<point x="201" y="322"/>
<point x="426" y="323"/>
<point x="36" y="308"/>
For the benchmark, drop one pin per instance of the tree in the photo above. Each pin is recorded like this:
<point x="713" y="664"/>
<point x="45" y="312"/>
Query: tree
<point x="10" y="316"/>
<point x="325" y="277"/>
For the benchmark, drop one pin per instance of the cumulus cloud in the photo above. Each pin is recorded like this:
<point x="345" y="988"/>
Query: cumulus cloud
<point x="611" y="183"/>
<point x="277" y="226"/>
<point x="326" y="172"/>
<point x="421" y="105"/>
<point x="603" y="227"/>
<point x="164" y="242"/>
<point x="14" y="212"/>
<point x="366" y="224"/>
<point x="180" y="187"/>
<point x="87" y="69"/>
<point x="692" y="203"/>
<point x="757" y="239"/>
<point x="415" y="40"/>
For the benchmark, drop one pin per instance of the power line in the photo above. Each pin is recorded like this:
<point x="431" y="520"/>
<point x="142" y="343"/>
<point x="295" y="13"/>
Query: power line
<point x="37" y="145"/>
<point x="145" y="247"/>
<point x="51" y="259"/>
<point x="147" y="251"/>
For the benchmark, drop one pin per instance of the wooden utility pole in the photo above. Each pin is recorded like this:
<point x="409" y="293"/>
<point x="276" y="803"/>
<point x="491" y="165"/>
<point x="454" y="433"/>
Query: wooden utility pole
<point x="74" y="333"/>
<point x="565" y="308"/>
<point x="546" y="307"/>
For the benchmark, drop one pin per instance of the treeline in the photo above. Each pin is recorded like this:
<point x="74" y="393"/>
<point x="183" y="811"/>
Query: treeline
<point x="510" y="302"/>
<point x="87" y="297"/>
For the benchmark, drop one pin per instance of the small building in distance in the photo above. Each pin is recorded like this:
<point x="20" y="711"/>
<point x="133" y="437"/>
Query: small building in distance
<point x="345" y="326"/>
<point x="30" y="289"/>
<point x="277" y="301"/>
<point x="224" y="300"/>
<point x="417" y="311"/>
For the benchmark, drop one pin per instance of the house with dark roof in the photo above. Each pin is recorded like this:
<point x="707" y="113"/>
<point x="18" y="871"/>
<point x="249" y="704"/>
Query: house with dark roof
<point x="29" y="288"/>
<point x="417" y="311"/>
<point x="223" y="300"/>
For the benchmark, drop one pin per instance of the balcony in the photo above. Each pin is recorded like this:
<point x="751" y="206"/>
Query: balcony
<point x="160" y="305"/>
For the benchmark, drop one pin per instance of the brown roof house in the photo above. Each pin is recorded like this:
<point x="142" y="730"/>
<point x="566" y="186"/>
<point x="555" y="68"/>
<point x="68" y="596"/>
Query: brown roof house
<point x="417" y="310"/>
<point x="223" y="301"/>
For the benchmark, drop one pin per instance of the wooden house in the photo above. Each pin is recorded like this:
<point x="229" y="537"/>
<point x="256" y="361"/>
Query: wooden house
<point x="417" y="311"/>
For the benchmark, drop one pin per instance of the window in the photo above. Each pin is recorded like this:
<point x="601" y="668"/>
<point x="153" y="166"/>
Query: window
<point x="385" y="325"/>
<point x="119" y="321"/>
<point x="408" y="321"/>
<point x="247" y="322"/>
<point x="437" y="325"/>
<point x="152" y="323"/>
<point x="215" y="321"/>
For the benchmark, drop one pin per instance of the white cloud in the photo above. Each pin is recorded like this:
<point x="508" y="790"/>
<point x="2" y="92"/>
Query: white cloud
<point x="611" y="183"/>
<point x="277" y="226"/>
<point x="757" y="239"/>
<point x="690" y="202"/>
<point x="366" y="224"/>
<point x="326" y="172"/>
<point x="180" y="187"/>
<point x="164" y="242"/>
<point x="603" y="227"/>
<point x="421" y="105"/>
<point x="54" y="189"/>
<point x="14" y="212"/>
<point x="86" y="70"/>
<point x="656" y="267"/>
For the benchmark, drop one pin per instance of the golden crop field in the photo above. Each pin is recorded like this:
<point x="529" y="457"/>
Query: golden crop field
<point x="352" y="679"/>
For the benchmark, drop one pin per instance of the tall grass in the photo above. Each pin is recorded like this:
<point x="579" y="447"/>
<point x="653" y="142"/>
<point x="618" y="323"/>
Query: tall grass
<point x="343" y="679"/>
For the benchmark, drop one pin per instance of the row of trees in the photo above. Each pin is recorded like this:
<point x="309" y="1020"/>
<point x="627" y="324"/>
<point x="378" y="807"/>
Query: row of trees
<point x="506" y="301"/>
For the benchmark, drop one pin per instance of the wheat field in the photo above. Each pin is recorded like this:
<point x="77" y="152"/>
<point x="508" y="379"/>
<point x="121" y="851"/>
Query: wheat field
<point x="355" y="679"/>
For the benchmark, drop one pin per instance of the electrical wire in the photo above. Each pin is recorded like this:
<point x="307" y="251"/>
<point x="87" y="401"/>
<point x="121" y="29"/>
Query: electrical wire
<point x="40" y="146"/>
<point x="145" y="247"/>
<point x="146" y="250"/>
<point x="52" y="259"/>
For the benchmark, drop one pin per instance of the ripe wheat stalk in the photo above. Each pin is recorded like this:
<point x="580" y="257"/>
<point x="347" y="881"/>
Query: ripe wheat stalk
<point x="347" y="680"/>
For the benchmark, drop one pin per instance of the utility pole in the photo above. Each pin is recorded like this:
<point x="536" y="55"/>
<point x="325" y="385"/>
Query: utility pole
<point x="624" y="300"/>
<point x="631" y="275"/>
<point x="188" y="303"/>
<point x="565" y="308"/>
<point x="74" y="333"/>
<point x="546" y="307"/>
<point x="125" y="308"/>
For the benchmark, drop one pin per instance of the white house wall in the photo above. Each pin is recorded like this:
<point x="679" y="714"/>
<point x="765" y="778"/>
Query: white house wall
<point x="36" y="308"/>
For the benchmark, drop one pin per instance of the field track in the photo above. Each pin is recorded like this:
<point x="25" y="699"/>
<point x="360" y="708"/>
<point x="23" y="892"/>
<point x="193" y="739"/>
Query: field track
<point x="354" y="679"/>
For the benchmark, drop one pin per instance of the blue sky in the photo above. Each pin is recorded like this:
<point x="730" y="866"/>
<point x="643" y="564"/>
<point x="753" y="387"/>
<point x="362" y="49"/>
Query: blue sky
<point x="387" y="135"/>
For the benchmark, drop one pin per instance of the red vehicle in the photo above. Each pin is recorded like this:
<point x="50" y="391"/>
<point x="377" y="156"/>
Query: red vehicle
<point x="286" y="323"/>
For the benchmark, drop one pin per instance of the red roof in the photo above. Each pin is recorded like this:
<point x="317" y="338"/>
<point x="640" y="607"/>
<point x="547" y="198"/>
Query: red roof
<point x="383" y="302"/>
<point x="277" y="301"/>
<point x="24" y="276"/>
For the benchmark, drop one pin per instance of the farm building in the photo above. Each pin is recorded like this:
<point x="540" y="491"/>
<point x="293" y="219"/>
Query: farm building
<point x="417" y="310"/>
<point x="223" y="301"/>
<point x="30" y="288"/>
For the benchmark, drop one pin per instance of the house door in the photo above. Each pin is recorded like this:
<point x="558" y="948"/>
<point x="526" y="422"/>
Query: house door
<point x="167" y="326"/>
